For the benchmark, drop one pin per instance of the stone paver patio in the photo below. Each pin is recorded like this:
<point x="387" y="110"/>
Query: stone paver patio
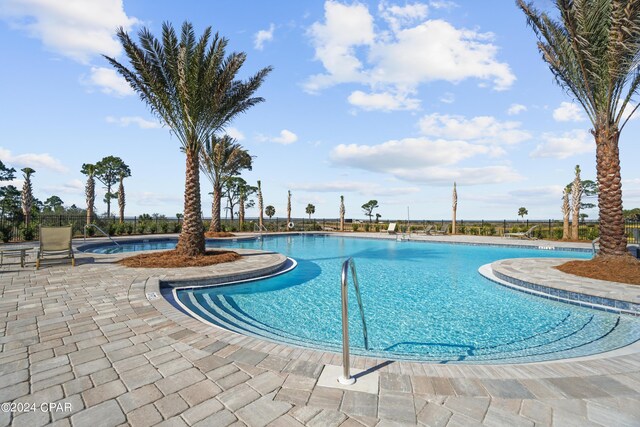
<point x="91" y="342"/>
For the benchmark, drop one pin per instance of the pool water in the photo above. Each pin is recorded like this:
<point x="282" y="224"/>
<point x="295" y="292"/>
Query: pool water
<point x="422" y="301"/>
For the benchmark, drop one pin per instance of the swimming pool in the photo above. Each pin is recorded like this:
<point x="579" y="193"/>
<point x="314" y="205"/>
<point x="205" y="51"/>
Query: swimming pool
<point x="422" y="301"/>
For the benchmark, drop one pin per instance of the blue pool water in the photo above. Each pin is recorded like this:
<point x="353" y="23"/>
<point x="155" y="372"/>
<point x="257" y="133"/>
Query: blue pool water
<point x="422" y="301"/>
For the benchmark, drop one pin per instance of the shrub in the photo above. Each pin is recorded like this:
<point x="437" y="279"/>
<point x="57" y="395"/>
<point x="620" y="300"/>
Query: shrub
<point x="6" y="232"/>
<point x="354" y="227"/>
<point x="366" y="226"/>
<point x="164" y="227"/>
<point x="121" y="228"/>
<point x="142" y="227"/>
<point x="153" y="228"/>
<point x="177" y="227"/>
<point x="28" y="233"/>
<point x="593" y="233"/>
<point x="128" y="229"/>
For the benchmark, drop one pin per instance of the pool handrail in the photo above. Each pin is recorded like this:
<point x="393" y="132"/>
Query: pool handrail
<point x="350" y="264"/>
<point x="100" y="230"/>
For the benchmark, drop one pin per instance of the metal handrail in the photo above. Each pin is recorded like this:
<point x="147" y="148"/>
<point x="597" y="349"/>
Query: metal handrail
<point x="593" y="244"/>
<point x="350" y="264"/>
<point x="259" y="228"/>
<point x="100" y="230"/>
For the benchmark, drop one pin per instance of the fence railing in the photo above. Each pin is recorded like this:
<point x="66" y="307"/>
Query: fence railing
<point x="12" y="230"/>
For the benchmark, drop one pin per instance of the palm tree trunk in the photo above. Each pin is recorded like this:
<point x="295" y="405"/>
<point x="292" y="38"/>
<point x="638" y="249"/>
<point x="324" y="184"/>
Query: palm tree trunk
<point x="613" y="241"/>
<point x="566" y="210"/>
<point x="215" y="210"/>
<point x="191" y="241"/>
<point x="90" y="193"/>
<point x="241" y="213"/>
<point x="121" y="200"/>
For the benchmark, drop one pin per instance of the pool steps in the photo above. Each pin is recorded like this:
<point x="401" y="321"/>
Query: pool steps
<point x="223" y="314"/>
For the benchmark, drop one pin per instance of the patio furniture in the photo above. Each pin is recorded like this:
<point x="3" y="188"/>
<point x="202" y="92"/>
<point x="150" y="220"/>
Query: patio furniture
<point x="522" y="235"/>
<point x="392" y="228"/>
<point x="55" y="243"/>
<point x="444" y="229"/>
<point x="13" y="253"/>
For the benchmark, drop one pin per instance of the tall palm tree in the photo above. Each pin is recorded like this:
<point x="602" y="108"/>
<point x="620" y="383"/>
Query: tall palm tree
<point x="121" y="196"/>
<point x="27" y="195"/>
<point x="576" y="195"/>
<point x="221" y="158"/>
<point x="593" y="53"/>
<point x="566" y="212"/>
<point x="89" y="189"/>
<point x="342" y="212"/>
<point x="288" y="207"/>
<point x="260" y="203"/>
<point x="190" y="85"/>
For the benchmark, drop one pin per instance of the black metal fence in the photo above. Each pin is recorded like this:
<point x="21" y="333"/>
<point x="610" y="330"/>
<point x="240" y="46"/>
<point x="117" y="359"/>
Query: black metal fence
<point x="14" y="230"/>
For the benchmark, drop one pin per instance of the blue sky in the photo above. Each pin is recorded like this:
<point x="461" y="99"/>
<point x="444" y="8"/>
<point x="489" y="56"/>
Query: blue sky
<point x="392" y="101"/>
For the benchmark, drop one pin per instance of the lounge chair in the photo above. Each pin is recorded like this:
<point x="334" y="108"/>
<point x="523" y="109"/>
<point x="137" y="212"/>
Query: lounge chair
<point x="392" y="228"/>
<point x="427" y="229"/>
<point x="522" y="235"/>
<point x="444" y="229"/>
<point x="55" y="243"/>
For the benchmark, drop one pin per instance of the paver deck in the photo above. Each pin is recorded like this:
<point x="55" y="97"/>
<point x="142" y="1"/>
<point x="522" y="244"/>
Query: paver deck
<point x="89" y="341"/>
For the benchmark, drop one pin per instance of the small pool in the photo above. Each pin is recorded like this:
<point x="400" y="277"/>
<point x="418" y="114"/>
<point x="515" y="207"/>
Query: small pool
<point x="423" y="301"/>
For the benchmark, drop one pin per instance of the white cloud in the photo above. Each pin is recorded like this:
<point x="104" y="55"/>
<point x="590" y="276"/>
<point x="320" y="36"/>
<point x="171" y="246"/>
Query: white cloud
<point x="401" y="16"/>
<point x="405" y="153"/>
<point x="286" y="137"/>
<point x="364" y="188"/>
<point x="448" y="98"/>
<point x="354" y="49"/>
<point x="384" y="101"/>
<point x="515" y="109"/>
<point x="423" y="160"/>
<point x="77" y="29"/>
<point x="72" y="187"/>
<point x="133" y="120"/>
<point x="32" y="160"/>
<point x="109" y="81"/>
<point x="442" y="4"/>
<point x="564" y="145"/>
<point x="568" y="112"/>
<point x="263" y="36"/>
<point x="235" y="134"/>
<point x="345" y="28"/>
<point x="481" y="129"/>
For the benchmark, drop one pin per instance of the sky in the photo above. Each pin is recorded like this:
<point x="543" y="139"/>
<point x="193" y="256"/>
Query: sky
<point x="392" y="101"/>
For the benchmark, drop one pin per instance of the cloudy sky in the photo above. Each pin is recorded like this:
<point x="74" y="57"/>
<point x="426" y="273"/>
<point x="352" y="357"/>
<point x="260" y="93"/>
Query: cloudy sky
<point x="370" y="100"/>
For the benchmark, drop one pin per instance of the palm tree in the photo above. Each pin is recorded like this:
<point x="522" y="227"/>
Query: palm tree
<point x="121" y="196"/>
<point x="260" y="203"/>
<point x="576" y="193"/>
<point x="27" y="195"/>
<point x="89" y="189"/>
<point x="270" y="211"/>
<point x="593" y="54"/>
<point x="310" y="210"/>
<point x="190" y="85"/>
<point x="454" y="206"/>
<point x="221" y="158"/>
<point x="566" y="212"/>
<point x="288" y="207"/>
<point x="342" y="212"/>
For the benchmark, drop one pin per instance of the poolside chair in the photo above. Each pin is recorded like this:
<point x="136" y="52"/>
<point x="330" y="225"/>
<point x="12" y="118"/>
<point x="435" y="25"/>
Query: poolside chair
<point x="55" y="243"/>
<point x="392" y="228"/>
<point x="444" y="229"/>
<point x="427" y="229"/>
<point x="522" y="235"/>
